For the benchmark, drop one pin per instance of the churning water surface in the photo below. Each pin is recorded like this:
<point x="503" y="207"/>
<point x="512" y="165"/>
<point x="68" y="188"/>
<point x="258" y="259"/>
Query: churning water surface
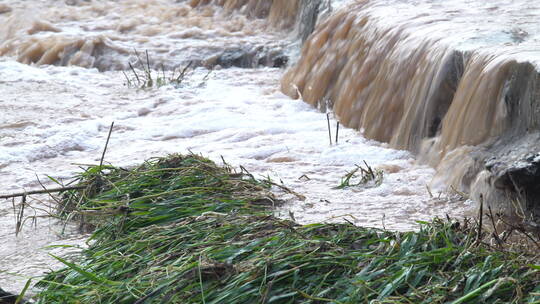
<point x="53" y="118"/>
<point x="57" y="117"/>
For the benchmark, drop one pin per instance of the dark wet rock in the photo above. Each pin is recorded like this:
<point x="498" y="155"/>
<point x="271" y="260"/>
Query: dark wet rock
<point x="309" y="14"/>
<point x="520" y="180"/>
<point x="105" y="55"/>
<point x="248" y="57"/>
<point x="510" y="182"/>
<point x="75" y="2"/>
<point x="6" y="297"/>
<point x="4" y="9"/>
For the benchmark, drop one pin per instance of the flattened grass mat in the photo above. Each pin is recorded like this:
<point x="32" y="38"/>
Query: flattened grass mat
<point x="182" y="229"/>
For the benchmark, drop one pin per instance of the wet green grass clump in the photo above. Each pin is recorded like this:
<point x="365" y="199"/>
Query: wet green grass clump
<point x="184" y="230"/>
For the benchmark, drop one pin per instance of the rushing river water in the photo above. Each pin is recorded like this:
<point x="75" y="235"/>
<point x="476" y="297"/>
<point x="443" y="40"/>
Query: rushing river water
<point x="59" y="117"/>
<point x="55" y="117"/>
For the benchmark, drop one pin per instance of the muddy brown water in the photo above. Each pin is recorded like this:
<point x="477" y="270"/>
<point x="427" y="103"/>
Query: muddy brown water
<point x="428" y="91"/>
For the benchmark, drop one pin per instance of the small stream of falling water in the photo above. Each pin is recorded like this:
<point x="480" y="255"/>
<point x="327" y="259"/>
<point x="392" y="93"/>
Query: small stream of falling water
<point x="54" y="117"/>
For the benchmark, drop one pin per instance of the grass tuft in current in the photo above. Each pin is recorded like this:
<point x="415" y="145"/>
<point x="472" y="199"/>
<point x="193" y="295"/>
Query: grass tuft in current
<point x="141" y="75"/>
<point x="183" y="230"/>
<point x="364" y="177"/>
<point x="161" y="190"/>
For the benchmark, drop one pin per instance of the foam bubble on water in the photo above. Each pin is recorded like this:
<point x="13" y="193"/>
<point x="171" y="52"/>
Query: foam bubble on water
<point x="13" y="71"/>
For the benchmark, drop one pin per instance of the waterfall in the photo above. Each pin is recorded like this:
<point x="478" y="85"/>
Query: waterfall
<point x="469" y="111"/>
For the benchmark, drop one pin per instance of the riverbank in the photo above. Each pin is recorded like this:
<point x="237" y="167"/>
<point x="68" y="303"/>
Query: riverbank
<point x="182" y="229"/>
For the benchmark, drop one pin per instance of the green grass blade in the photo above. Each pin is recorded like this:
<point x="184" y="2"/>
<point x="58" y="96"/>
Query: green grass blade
<point x="90" y="276"/>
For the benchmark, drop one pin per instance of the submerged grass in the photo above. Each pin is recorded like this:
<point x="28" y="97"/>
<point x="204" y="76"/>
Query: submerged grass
<point x="141" y="75"/>
<point x="367" y="178"/>
<point x="183" y="230"/>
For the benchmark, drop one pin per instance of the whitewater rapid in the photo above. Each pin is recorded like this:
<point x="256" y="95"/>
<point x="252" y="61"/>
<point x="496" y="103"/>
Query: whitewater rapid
<point x="55" y="119"/>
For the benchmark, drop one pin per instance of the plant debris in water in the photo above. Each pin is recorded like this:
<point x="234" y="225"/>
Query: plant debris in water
<point x="143" y="77"/>
<point x="367" y="178"/>
<point x="183" y="230"/>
